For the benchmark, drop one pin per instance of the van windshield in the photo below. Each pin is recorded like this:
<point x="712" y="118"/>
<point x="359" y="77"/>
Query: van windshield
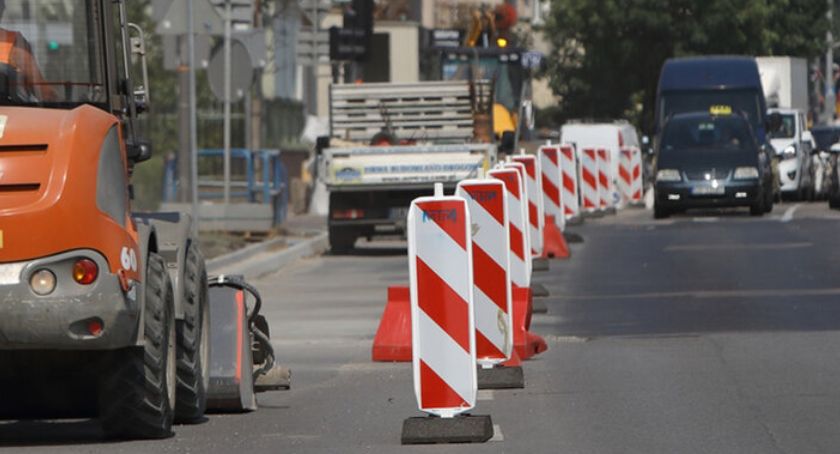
<point x="746" y="102"/>
<point x="707" y="133"/>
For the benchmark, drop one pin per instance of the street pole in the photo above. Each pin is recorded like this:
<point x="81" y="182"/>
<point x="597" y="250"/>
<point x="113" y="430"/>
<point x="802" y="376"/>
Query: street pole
<point x="828" y="108"/>
<point x="193" y="120"/>
<point x="227" y="89"/>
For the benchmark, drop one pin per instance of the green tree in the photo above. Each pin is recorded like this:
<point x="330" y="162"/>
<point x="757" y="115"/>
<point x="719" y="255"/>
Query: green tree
<point x="607" y="54"/>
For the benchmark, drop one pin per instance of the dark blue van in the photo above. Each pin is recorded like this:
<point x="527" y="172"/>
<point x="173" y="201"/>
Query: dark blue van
<point x="695" y="84"/>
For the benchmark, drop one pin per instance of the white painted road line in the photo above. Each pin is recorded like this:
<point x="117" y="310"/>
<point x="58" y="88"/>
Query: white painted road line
<point x="485" y="394"/>
<point x="736" y="247"/>
<point x="497" y="433"/>
<point x="788" y="216"/>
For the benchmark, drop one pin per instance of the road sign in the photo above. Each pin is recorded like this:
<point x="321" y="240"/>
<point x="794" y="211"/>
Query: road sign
<point x="241" y="75"/>
<point x="174" y="21"/>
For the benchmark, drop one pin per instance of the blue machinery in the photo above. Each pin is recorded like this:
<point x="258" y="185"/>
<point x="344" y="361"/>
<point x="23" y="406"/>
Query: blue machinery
<point x="270" y="188"/>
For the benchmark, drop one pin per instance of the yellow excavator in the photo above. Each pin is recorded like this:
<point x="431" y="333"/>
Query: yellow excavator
<point x="489" y="53"/>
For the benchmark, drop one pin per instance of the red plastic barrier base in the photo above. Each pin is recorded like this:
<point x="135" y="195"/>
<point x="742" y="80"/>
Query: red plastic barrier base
<point x="525" y="343"/>
<point x="514" y="361"/>
<point x="392" y="342"/>
<point x="554" y="244"/>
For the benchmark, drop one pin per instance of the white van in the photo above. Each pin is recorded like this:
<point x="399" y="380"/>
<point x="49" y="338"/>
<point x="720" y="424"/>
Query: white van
<point x="610" y="136"/>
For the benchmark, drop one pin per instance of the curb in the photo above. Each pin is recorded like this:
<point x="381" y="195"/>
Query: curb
<point x="258" y="260"/>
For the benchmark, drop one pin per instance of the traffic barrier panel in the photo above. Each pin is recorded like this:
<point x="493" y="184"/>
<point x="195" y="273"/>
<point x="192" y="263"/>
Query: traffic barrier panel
<point x="604" y="186"/>
<point x="589" y="196"/>
<point x="625" y="174"/>
<point x="443" y="325"/>
<point x="488" y="210"/>
<point x="525" y="343"/>
<point x="488" y="207"/>
<point x="521" y="201"/>
<point x="554" y="245"/>
<point x="533" y="187"/>
<point x="569" y="167"/>
<point x="637" y="186"/>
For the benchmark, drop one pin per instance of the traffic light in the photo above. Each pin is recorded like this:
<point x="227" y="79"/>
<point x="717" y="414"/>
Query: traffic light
<point x="351" y="42"/>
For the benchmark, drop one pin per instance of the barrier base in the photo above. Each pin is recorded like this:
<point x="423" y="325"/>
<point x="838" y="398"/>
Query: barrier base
<point x="514" y="360"/>
<point x="611" y="210"/>
<point x="460" y="429"/>
<point x="539" y="291"/>
<point x="572" y="237"/>
<point x="530" y="346"/>
<point x="554" y="244"/>
<point x="539" y="307"/>
<point x="501" y="378"/>
<point x="393" y="337"/>
<point x="540" y="264"/>
<point x="525" y="343"/>
<point x="575" y="220"/>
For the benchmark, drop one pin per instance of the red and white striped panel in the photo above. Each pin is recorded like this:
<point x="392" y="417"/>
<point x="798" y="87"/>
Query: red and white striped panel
<point x="524" y="197"/>
<point x="552" y="182"/>
<point x="637" y="187"/>
<point x="604" y="192"/>
<point x="625" y="173"/>
<point x="533" y="186"/>
<point x="569" y="195"/>
<point x="486" y="201"/>
<point x="589" y="197"/>
<point x="520" y="271"/>
<point x="442" y="318"/>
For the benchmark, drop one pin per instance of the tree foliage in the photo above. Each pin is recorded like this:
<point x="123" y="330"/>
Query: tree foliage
<point x="607" y="54"/>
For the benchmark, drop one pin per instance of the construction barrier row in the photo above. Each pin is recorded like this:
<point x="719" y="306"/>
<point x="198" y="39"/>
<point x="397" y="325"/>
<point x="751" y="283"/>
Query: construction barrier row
<point x="464" y="319"/>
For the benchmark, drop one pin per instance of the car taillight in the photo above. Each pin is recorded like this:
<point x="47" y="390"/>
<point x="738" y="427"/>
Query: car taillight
<point x="348" y="214"/>
<point x="85" y="271"/>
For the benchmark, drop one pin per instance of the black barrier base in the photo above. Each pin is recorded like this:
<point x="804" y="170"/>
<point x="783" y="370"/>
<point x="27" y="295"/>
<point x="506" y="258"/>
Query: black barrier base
<point x="593" y="215"/>
<point x="538" y="290"/>
<point x="572" y="237"/>
<point x="540" y="264"/>
<point x="501" y="378"/>
<point x="538" y="306"/>
<point x="460" y="429"/>
<point x="577" y="220"/>
<point x="611" y="210"/>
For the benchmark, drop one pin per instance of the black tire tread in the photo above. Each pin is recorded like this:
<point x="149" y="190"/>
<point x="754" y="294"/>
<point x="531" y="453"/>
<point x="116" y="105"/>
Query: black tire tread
<point x="134" y="401"/>
<point x="191" y="400"/>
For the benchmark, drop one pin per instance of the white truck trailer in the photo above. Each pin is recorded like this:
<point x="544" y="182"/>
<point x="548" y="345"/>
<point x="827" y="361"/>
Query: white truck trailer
<point x="785" y="82"/>
<point x="390" y="142"/>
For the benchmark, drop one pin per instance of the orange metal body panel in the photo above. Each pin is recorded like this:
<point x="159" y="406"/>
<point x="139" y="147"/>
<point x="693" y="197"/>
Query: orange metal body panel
<point x="48" y="196"/>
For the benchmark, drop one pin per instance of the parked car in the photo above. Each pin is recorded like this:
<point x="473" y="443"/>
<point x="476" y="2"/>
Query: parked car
<point x="792" y="143"/>
<point x="825" y="168"/>
<point x="711" y="159"/>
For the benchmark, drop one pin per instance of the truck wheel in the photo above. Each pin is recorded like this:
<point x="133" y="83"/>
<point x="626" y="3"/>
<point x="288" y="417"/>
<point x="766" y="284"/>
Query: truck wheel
<point x="342" y="241"/>
<point x="137" y="398"/>
<point x="193" y="341"/>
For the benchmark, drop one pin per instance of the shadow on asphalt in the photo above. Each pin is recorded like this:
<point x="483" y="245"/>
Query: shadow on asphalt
<point x="47" y="433"/>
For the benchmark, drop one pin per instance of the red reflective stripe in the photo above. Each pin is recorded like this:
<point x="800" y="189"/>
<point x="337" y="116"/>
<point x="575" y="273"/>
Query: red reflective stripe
<point x="551" y="153"/>
<point x="533" y="217"/>
<point x="495" y="205"/>
<point x="567" y="152"/>
<point x="588" y="203"/>
<point x="636" y="171"/>
<point x="441" y="304"/>
<point x="569" y="183"/>
<point x="602" y="178"/>
<point x="436" y="393"/>
<point x="450" y="216"/>
<point x="509" y="178"/>
<point x="516" y="240"/>
<point x="489" y="277"/>
<point x="485" y="349"/>
<point x="589" y="178"/>
<point x="551" y="190"/>
<point x="637" y="195"/>
<point x="590" y="153"/>
<point x="528" y="162"/>
<point x="623" y="174"/>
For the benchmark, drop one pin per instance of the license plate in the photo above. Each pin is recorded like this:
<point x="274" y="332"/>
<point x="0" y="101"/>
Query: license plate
<point x="10" y="274"/>
<point x="708" y="190"/>
<point x="398" y="214"/>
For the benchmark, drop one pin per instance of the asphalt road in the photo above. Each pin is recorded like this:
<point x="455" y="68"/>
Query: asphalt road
<point x="709" y="332"/>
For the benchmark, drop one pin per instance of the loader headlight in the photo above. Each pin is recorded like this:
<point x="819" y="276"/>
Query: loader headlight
<point x="668" y="175"/>
<point x="746" y="173"/>
<point x="42" y="282"/>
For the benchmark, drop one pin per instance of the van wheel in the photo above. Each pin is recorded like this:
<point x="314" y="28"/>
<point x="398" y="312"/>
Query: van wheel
<point x="757" y="208"/>
<point x="193" y="341"/>
<point x="137" y="394"/>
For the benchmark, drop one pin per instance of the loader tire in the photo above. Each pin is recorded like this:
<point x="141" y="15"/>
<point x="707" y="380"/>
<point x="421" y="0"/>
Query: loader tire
<point x="193" y="342"/>
<point x="137" y="396"/>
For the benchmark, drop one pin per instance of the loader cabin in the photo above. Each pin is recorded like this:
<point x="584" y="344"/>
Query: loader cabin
<point x="63" y="54"/>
